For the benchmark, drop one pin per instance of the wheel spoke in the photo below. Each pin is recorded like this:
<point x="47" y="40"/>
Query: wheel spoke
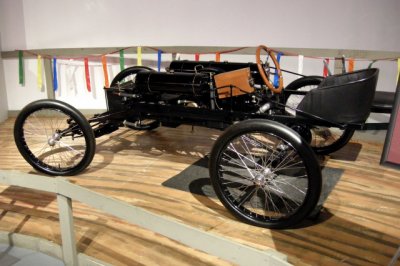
<point x="247" y="193"/>
<point x="70" y="148"/>
<point x="281" y="181"/>
<point x="242" y="158"/>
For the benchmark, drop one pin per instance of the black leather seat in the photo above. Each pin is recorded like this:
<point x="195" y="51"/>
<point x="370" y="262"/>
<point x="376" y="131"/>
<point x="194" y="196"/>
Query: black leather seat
<point x="344" y="98"/>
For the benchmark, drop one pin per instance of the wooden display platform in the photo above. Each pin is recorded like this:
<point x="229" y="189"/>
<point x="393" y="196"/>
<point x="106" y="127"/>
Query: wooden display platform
<point x="360" y="225"/>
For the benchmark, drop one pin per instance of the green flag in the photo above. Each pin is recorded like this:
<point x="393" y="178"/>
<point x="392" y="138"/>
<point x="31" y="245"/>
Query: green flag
<point x="21" y="67"/>
<point x="121" y="60"/>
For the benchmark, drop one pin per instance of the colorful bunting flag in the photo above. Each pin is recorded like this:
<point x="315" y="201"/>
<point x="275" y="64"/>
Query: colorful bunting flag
<point x="159" y="53"/>
<point x="87" y="75"/>
<point x="276" y="76"/>
<point x="175" y="56"/>
<point x="218" y="57"/>
<point x="39" y="72"/>
<point x="351" y="65"/>
<point x="139" y="56"/>
<point x="326" y="71"/>
<point x="105" y="72"/>
<point x="55" y="81"/>
<point x="21" y="68"/>
<point x="121" y="60"/>
<point x="398" y="69"/>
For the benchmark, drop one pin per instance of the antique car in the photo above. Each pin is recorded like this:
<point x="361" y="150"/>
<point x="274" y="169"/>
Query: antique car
<point x="263" y="167"/>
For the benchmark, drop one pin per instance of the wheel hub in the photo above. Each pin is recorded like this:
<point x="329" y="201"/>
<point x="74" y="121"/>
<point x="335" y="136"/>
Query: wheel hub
<point x="54" y="139"/>
<point x="264" y="178"/>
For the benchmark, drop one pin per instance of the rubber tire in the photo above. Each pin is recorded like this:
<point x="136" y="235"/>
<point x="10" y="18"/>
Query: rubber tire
<point x="132" y="71"/>
<point x="127" y="72"/>
<point x="347" y="132"/>
<point x="302" y="82"/>
<point x="304" y="151"/>
<point x="68" y="110"/>
<point x="338" y="144"/>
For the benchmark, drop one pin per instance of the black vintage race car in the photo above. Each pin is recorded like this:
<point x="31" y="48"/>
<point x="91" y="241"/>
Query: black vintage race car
<point x="263" y="166"/>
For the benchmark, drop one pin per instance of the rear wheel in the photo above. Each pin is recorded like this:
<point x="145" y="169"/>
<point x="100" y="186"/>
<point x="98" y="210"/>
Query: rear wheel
<point x="265" y="174"/>
<point x="302" y="84"/>
<point x="126" y="75"/>
<point x="324" y="140"/>
<point x="54" y="137"/>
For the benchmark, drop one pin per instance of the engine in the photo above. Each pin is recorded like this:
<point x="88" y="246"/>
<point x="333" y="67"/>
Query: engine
<point x="231" y="90"/>
<point x="217" y="67"/>
<point x="173" y="83"/>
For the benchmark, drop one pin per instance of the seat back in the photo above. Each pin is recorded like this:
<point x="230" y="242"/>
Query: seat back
<point x="343" y="98"/>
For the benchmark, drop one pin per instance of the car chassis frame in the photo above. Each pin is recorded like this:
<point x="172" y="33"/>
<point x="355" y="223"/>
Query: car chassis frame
<point x="263" y="167"/>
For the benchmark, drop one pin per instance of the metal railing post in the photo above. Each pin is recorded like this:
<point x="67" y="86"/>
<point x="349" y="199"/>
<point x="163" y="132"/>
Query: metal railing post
<point x="67" y="230"/>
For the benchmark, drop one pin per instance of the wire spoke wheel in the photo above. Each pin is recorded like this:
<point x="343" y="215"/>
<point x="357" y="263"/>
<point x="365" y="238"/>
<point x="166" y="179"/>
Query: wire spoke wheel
<point x="263" y="176"/>
<point x="265" y="186"/>
<point x="54" y="139"/>
<point x="59" y="151"/>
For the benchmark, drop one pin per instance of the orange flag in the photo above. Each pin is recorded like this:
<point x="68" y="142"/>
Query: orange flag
<point x="218" y="57"/>
<point x="104" y="62"/>
<point x="351" y="65"/>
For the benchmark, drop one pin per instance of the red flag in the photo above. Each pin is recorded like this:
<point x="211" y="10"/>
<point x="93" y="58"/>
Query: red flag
<point x="87" y="74"/>
<point x="326" y="64"/>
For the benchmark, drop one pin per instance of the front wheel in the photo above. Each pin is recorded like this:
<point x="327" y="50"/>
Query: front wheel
<point x="265" y="174"/>
<point x="54" y="137"/>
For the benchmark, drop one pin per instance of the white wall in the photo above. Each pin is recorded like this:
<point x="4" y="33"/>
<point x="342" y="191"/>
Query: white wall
<point x="340" y="24"/>
<point x="12" y="25"/>
<point x="3" y="91"/>
<point x="17" y="95"/>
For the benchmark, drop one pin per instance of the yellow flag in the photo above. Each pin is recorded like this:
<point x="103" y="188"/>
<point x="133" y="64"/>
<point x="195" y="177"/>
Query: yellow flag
<point x="398" y="69"/>
<point x="139" y="56"/>
<point x="39" y="73"/>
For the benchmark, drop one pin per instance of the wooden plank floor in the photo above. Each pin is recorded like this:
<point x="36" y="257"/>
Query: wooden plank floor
<point x="360" y="225"/>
